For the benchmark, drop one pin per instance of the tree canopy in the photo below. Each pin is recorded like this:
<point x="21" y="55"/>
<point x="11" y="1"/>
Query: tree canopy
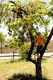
<point x="16" y="14"/>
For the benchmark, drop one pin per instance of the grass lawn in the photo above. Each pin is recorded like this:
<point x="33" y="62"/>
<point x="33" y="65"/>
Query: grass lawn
<point x="9" y="68"/>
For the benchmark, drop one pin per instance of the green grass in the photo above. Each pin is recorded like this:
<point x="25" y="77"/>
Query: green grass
<point x="47" y="68"/>
<point x="9" y="68"/>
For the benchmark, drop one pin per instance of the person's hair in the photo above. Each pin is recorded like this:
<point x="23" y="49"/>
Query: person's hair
<point x="38" y="33"/>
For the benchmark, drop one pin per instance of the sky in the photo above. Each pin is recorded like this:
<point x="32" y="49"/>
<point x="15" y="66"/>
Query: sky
<point x="4" y="30"/>
<point x="26" y="0"/>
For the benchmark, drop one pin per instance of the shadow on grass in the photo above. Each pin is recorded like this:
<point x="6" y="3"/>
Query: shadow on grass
<point x="24" y="77"/>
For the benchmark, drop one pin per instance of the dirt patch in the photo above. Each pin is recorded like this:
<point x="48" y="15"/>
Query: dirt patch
<point x="8" y="50"/>
<point x="50" y="47"/>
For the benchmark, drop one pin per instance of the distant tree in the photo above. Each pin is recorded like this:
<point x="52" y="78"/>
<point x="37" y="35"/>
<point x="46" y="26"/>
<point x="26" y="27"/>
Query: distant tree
<point x="2" y="40"/>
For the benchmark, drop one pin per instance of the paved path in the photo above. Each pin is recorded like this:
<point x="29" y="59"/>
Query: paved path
<point x="17" y="56"/>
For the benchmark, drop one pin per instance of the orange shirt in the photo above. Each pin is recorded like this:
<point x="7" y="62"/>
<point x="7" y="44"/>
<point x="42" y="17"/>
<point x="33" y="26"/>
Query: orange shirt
<point x="39" y="40"/>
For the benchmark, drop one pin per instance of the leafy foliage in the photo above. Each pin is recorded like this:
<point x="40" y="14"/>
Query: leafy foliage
<point x="50" y="12"/>
<point x="13" y="43"/>
<point x="35" y="10"/>
<point x="24" y="50"/>
<point x="16" y="15"/>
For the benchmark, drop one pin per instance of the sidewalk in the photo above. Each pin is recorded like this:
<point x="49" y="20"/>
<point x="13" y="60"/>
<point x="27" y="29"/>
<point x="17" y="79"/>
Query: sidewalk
<point x="48" y="54"/>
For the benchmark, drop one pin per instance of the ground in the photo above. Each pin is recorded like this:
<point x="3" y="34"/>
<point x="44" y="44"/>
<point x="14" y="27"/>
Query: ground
<point x="8" y="50"/>
<point x="10" y="70"/>
<point x="50" y="47"/>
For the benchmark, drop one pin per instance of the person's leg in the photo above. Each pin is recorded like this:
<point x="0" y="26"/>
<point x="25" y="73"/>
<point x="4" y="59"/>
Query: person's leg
<point x="38" y="51"/>
<point x="38" y="55"/>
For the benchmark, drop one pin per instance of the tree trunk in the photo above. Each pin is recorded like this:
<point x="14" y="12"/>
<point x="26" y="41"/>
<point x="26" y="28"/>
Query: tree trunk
<point x="1" y="46"/>
<point x="30" y="51"/>
<point x="38" y="69"/>
<point x="32" y="44"/>
<point x="38" y="63"/>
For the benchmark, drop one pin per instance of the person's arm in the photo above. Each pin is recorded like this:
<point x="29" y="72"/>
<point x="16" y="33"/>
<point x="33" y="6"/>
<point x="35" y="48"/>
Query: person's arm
<point x="35" y="40"/>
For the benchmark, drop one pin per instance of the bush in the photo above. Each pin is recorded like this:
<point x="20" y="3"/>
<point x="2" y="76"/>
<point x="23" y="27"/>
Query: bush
<point x="12" y="43"/>
<point x="24" y="50"/>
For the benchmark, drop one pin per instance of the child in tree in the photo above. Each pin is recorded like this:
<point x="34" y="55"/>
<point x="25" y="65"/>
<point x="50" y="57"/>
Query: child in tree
<point x="39" y="41"/>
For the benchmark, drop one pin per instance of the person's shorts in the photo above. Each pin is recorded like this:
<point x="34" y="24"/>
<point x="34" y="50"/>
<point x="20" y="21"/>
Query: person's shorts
<point x="39" y="48"/>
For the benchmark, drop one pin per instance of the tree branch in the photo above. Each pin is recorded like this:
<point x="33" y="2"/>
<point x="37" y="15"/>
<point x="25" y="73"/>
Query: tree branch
<point x="32" y="44"/>
<point x="13" y="2"/>
<point x="33" y="61"/>
<point x="46" y="44"/>
<point x="31" y="36"/>
<point x="20" y="10"/>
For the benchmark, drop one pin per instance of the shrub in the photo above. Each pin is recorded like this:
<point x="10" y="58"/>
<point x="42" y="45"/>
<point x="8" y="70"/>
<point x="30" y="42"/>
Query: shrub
<point x="24" y="49"/>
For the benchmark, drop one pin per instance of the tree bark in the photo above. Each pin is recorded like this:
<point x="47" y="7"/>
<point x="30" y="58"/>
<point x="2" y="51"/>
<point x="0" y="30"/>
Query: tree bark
<point x="32" y="44"/>
<point x="30" y="51"/>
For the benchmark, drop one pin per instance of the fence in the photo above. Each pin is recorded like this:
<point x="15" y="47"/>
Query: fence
<point x="12" y="55"/>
